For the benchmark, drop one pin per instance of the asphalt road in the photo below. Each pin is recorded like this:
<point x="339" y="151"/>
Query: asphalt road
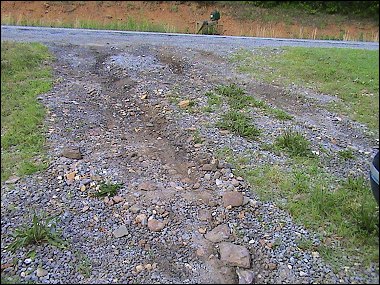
<point x="219" y="44"/>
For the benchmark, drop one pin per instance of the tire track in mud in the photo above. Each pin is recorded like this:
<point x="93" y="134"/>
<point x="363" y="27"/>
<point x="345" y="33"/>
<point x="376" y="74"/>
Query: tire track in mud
<point x="128" y="123"/>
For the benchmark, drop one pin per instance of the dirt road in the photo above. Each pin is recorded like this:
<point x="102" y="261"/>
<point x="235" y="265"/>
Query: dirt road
<point x="181" y="215"/>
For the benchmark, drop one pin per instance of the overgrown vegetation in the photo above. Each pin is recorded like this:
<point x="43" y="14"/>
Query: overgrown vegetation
<point x="41" y="229"/>
<point x="24" y="75"/>
<point x="237" y="119"/>
<point x="197" y="138"/>
<point x="301" y="19"/>
<point x="354" y="8"/>
<point x="342" y="210"/>
<point x="350" y="74"/>
<point x="129" y="25"/>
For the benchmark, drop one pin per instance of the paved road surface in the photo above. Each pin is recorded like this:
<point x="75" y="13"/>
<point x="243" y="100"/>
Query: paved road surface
<point x="220" y="44"/>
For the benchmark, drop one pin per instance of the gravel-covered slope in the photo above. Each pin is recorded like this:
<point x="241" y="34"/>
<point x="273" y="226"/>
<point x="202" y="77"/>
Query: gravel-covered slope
<point x="181" y="215"/>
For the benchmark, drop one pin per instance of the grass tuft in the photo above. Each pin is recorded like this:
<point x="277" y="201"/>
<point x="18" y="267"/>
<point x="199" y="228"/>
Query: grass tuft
<point x="346" y="154"/>
<point x="239" y="123"/>
<point x="108" y="189"/>
<point x="41" y="229"/>
<point x="84" y="265"/>
<point x="293" y="143"/>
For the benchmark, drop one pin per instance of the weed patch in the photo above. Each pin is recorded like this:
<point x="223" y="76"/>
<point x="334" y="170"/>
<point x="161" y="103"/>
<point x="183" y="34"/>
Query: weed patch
<point x="130" y="24"/>
<point x="108" y="189"/>
<point x="346" y="154"/>
<point x="293" y="143"/>
<point x="237" y="99"/>
<point x="239" y="123"/>
<point x="41" y="229"/>
<point x="280" y="114"/>
<point x="197" y="138"/>
<point x="344" y="209"/>
<point x="84" y="265"/>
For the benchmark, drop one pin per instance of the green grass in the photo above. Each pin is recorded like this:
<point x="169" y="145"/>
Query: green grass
<point x="350" y="74"/>
<point x="279" y="114"/>
<point x="84" y="265"/>
<point x="346" y="154"/>
<point x="108" y="189"/>
<point x="197" y="138"/>
<point x="237" y="99"/>
<point x="294" y="143"/>
<point x="41" y="229"/>
<point x="24" y="75"/>
<point x="238" y="123"/>
<point x="128" y="25"/>
<point x="341" y="209"/>
<point x="235" y="96"/>
<point x="214" y="99"/>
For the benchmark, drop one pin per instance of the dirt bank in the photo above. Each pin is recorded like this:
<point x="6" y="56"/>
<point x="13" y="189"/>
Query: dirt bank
<point x="181" y="16"/>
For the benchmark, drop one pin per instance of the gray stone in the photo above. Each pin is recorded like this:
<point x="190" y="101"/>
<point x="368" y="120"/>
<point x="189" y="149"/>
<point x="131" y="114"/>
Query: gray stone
<point x="41" y="272"/>
<point x="245" y="276"/>
<point x="120" y="232"/>
<point x="72" y="152"/>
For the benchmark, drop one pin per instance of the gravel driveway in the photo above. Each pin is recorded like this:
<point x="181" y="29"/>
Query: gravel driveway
<point x="182" y="215"/>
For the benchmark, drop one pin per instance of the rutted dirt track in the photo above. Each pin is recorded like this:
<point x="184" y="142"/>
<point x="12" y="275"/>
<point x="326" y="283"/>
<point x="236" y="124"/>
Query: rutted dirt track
<point x="171" y="221"/>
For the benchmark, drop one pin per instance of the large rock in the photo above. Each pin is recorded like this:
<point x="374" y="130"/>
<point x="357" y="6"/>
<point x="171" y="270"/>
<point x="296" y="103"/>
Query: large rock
<point x="12" y="180"/>
<point x="205" y="248"/>
<point x="221" y="273"/>
<point x="141" y="219"/>
<point x="219" y="233"/>
<point x="235" y="255"/>
<point x="245" y="276"/>
<point x="72" y="152"/>
<point x="155" y="225"/>
<point x="233" y="198"/>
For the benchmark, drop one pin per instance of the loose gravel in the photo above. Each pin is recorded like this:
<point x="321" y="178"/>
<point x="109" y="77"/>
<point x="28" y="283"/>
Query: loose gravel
<point x="117" y="105"/>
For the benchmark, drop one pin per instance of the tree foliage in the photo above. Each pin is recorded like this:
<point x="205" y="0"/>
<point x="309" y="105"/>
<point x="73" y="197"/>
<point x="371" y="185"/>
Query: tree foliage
<point x="359" y="8"/>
